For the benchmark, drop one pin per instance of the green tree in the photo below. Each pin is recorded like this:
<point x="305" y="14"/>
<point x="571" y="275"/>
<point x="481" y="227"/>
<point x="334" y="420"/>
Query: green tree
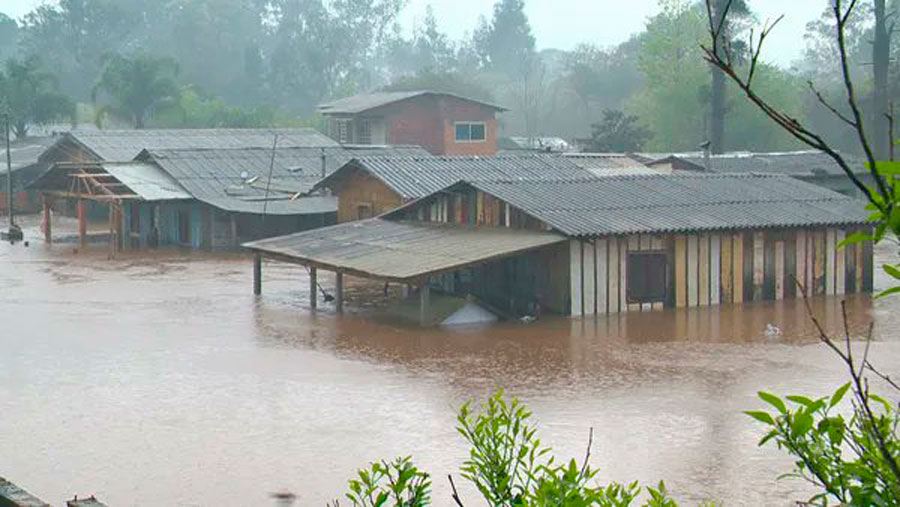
<point x="718" y="108"/>
<point x="617" y="132"/>
<point x="31" y="95"/>
<point x="506" y="44"/>
<point x="9" y="36"/>
<point x="197" y="110"/>
<point x="439" y="81"/>
<point x="136" y="86"/>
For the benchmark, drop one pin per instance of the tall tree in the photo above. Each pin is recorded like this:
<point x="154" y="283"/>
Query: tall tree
<point x="31" y="95"/>
<point x="9" y="36"/>
<point x="506" y="44"/>
<point x="737" y="9"/>
<point x="617" y="132"/>
<point x="136" y="86"/>
<point x="881" y="57"/>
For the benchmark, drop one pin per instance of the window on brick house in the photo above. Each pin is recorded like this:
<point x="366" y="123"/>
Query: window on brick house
<point x="470" y="132"/>
<point x="646" y="277"/>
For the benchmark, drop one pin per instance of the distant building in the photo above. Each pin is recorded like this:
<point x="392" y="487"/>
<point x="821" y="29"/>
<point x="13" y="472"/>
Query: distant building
<point x="815" y="167"/>
<point x="369" y="186"/>
<point x="611" y="164"/>
<point x="535" y="143"/>
<point x="601" y="246"/>
<point x="210" y="189"/>
<point x="24" y="155"/>
<point x="441" y="123"/>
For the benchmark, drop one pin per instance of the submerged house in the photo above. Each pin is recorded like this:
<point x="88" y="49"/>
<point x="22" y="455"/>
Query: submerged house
<point x="210" y="198"/>
<point x="369" y="186"/>
<point x="812" y="166"/>
<point x="600" y="246"/>
<point x="441" y="123"/>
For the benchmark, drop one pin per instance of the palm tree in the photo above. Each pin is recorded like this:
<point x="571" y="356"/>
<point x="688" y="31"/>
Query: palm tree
<point x="136" y="86"/>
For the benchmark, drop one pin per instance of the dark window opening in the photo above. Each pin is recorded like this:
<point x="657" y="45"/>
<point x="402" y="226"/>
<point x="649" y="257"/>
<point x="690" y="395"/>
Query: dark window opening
<point x="364" y="211"/>
<point x="646" y="277"/>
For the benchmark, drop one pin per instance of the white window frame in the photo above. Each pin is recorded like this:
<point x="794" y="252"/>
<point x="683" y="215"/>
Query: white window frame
<point x="470" y="123"/>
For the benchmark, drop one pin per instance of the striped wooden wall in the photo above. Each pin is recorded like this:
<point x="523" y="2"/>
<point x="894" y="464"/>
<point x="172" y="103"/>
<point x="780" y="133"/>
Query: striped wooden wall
<point x="720" y="268"/>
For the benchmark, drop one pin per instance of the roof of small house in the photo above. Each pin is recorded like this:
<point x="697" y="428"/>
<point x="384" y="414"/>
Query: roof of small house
<point x="793" y="163"/>
<point x="368" y="101"/>
<point x="414" y="177"/>
<point x="124" y="145"/>
<point x="675" y="203"/>
<point x="401" y="250"/>
<point x="239" y="180"/>
<point x="146" y="180"/>
<point x="24" y="152"/>
<point x="609" y="164"/>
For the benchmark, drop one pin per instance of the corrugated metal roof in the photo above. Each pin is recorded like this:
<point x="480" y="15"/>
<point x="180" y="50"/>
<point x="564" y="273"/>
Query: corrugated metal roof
<point x="792" y="163"/>
<point x="414" y="177"/>
<point x="124" y="145"/>
<point x="235" y="180"/>
<point x="367" y="101"/>
<point x="24" y="152"/>
<point x="401" y="251"/>
<point x="609" y="164"/>
<point x="673" y="203"/>
<point x="147" y="180"/>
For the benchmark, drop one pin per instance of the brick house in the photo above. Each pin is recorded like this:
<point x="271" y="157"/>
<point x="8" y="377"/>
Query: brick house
<point x="441" y="123"/>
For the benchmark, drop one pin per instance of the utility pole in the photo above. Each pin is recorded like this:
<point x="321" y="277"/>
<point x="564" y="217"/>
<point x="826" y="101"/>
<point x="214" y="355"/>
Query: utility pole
<point x="14" y="233"/>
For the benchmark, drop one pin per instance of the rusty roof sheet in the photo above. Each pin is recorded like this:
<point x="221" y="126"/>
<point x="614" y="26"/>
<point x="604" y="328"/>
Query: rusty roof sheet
<point x="401" y="250"/>
<point x="124" y="145"/>
<point x="415" y="177"/>
<point x="367" y="101"/>
<point x="677" y="203"/>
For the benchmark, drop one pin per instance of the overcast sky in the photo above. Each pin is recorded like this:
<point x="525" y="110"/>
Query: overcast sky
<point x="563" y="24"/>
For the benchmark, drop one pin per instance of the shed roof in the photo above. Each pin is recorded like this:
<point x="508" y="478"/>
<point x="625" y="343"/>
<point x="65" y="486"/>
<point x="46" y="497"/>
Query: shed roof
<point x="368" y="101"/>
<point x="399" y="250"/>
<point x="793" y="163"/>
<point x="146" y="180"/>
<point x="124" y="145"/>
<point x="237" y="180"/>
<point x="677" y="203"/>
<point x="414" y="177"/>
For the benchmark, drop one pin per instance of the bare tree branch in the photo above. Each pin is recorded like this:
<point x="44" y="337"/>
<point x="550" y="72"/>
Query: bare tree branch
<point x="828" y="106"/>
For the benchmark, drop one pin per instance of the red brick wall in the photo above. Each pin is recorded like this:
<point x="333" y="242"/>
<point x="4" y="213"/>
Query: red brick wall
<point x="428" y="121"/>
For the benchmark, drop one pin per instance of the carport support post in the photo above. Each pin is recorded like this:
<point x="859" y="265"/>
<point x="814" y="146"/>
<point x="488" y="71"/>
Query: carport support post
<point x="82" y="223"/>
<point x="339" y="292"/>
<point x="313" y="296"/>
<point x="48" y="236"/>
<point x="257" y="274"/>
<point x="424" y="301"/>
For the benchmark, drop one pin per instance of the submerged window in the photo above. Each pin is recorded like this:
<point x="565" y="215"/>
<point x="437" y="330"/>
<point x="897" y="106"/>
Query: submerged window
<point x="469" y="132"/>
<point x="646" y="277"/>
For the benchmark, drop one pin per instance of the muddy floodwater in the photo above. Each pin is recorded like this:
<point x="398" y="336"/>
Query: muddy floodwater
<point x="159" y="379"/>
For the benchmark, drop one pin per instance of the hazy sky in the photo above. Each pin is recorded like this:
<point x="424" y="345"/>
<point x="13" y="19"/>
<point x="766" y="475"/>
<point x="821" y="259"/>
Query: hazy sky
<point x="565" y="23"/>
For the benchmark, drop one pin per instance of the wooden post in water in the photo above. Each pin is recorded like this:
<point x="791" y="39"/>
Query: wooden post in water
<point x="339" y="292"/>
<point x="257" y="274"/>
<point x="424" y="302"/>
<point x="313" y="296"/>
<point x="82" y="223"/>
<point x="48" y="236"/>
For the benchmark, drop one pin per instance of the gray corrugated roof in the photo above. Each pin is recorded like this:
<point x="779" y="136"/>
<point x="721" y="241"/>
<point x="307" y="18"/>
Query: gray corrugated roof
<point x="146" y="180"/>
<point x="398" y="250"/>
<point x="124" y="145"/>
<point x="673" y="203"/>
<point x="414" y="177"/>
<point x="24" y="152"/>
<point x="792" y="163"/>
<point x="609" y="164"/>
<point x="367" y="101"/>
<point x="218" y="176"/>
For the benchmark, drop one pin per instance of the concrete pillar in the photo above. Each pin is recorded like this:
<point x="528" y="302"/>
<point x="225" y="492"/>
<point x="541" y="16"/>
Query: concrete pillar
<point x="257" y="274"/>
<point x="82" y="223"/>
<point x="48" y="227"/>
<point x="424" y="303"/>
<point x="313" y="293"/>
<point x="339" y="292"/>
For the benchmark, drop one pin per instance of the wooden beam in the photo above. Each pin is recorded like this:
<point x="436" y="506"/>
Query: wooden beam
<point x="339" y="292"/>
<point x="602" y="260"/>
<point x="575" y="278"/>
<point x="680" y="271"/>
<point x="759" y="264"/>
<point x="693" y="271"/>
<point x="737" y="258"/>
<point x="801" y="261"/>
<point x="830" y="250"/>
<point x="82" y="223"/>
<point x="840" y="264"/>
<point x="613" y="275"/>
<point x="590" y="278"/>
<point x="424" y="304"/>
<point x="779" y="270"/>
<point x="703" y="271"/>
<point x="313" y="288"/>
<point x="727" y="279"/>
<point x="715" y="269"/>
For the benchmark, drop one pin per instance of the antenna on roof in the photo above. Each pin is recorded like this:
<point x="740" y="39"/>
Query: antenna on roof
<point x="269" y="180"/>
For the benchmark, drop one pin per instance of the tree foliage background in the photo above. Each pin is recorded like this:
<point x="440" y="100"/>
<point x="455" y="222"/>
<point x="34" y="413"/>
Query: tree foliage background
<point x="248" y="62"/>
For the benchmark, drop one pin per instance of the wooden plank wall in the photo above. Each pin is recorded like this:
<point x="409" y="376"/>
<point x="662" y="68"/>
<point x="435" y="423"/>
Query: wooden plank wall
<point x="720" y="268"/>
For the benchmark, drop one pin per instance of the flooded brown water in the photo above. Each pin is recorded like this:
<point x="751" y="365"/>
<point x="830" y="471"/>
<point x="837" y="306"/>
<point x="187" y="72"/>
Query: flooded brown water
<point x="159" y="379"/>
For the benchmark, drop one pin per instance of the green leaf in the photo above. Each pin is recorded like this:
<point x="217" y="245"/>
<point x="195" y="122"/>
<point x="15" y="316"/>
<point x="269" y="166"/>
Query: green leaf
<point x="888" y="292"/>
<point x="801" y="400"/>
<point x="803" y="422"/>
<point x="761" y="416"/>
<point x="769" y="436"/>
<point x="892" y="270"/>
<point x="773" y="400"/>
<point x="838" y="395"/>
<point x="854" y="238"/>
<point x="886" y="168"/>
